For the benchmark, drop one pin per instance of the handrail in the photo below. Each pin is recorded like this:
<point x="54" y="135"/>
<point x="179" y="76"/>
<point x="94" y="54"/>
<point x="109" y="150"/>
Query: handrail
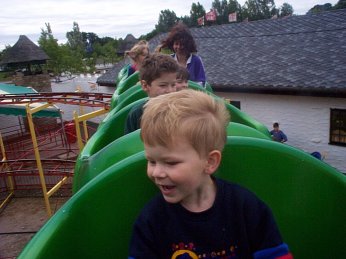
<point x="75" y="98"/>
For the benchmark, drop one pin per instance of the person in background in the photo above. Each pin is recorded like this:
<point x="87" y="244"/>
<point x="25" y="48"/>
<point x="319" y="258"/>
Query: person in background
<point x="277" y="134"/>
<point x="137" y="54"/>
<point x="182" y="78"/>
<point x="181" y="42"/>
<point x="158" y="75"/>
<point x="197" y="215"/>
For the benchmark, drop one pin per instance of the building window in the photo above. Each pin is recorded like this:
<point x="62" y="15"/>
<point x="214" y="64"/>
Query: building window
<point x="337" y="127"/>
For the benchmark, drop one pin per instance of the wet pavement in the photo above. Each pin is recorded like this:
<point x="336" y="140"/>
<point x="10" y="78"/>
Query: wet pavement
<point x="25" y="213"/>
<point x="23" y="216"/>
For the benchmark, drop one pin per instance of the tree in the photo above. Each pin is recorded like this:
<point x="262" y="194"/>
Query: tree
<point x="75" y="39"/>
<point x="320" y="8"/>
<point x="224" y="8"/>
<point x="186" y="20"/>
<point x="89" y="39"/>
<point x="150" y="35"/>
<point x="234" y="6"/>
<point x="167" y="19"/>
<point x="259" y="9"/>
<point x="51" y="47"/>
<point x="197" y="11"/>
<point x="341" y="4"/>
<point x="285" y="10"/>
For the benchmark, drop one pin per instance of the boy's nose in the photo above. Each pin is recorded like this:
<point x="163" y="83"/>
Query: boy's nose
<point x="171" y="88"/>
<point x="158" y="171"/>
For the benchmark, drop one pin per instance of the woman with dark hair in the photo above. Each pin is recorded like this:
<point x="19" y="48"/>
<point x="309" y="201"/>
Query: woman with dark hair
<point x="181" y="42"/>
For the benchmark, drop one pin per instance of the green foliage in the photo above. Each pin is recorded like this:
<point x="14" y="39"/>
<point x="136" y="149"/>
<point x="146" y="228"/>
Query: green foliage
<point x="50" y="46"/>
<point x="80" y="53"/>
<point x="341" y="4"/>
<point x="259" y="9"/>
<point x="320" y="8"/>
<point x="224" y="8"/>
<point x="285" y="10"/>
<point x="186" y="20"/>
<point x="75" y="39"/>
<point x="167" y="19"/>
<point x="2" y="53"/>
<point x="197" y="11"/>
<point x="4" y="76"/>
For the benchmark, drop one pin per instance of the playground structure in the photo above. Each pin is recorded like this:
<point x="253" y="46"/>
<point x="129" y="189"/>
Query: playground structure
<point x="110" y="188"/>
<point x="37" y="145"/>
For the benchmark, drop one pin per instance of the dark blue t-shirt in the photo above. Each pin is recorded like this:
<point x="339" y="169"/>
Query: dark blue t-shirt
<point x="237" y="226"/>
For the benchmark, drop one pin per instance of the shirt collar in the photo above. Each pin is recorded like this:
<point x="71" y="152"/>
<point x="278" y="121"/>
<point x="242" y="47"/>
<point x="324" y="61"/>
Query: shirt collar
<point x="188" y="60"/>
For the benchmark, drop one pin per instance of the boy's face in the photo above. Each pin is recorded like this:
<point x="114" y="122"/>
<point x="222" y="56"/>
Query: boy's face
<point x="163" y="85"/>
<point x="180" y="173"/>
<point x="181" y="84"/>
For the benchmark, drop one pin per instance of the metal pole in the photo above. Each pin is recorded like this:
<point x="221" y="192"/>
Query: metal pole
<point x="37" y="156"/>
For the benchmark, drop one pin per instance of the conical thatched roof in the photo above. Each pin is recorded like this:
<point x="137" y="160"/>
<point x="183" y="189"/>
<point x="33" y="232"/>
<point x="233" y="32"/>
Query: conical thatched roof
<point x="127" y="44"/>
<point x="24" y="52"/>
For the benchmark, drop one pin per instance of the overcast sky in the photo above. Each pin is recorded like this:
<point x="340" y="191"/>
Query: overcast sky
<point x="113" y="18"/>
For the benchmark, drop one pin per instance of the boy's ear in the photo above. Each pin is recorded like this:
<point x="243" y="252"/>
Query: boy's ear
<point x="213" y="161"/>
<point x="145" y="85"/>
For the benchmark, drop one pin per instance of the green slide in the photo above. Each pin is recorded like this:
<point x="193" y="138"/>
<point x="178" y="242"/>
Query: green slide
<point x="123" y="83"/>
<point x="112" y="127"/>
<point x="128" y="145"/>
<point x="305" y="194"/>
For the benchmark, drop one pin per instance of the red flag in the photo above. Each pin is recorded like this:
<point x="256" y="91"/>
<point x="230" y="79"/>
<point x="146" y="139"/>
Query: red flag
<point x="232" y="17"/>
<point x="211" y="16"/>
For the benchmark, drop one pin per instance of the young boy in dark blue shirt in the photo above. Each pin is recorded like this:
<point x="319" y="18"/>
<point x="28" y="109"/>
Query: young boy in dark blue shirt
<point x="197" y="215"/>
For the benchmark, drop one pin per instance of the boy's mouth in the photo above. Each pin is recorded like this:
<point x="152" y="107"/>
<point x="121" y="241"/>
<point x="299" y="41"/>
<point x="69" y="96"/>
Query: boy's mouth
<point x="166" y="189"/>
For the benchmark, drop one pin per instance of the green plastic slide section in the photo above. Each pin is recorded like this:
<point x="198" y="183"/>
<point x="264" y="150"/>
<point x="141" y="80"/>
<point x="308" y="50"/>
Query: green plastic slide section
<point x="305" y="194"/>
<point x="112" y="128"/>
<point x="123" y="84"/>
<point x="88" y="167"/>
<point x="123" y="74"/>
<point x="105" y="132"/>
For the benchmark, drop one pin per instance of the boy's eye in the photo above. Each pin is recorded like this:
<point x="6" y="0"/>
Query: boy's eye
<point x="172" y="163"/>
<point x="151" y="162"/>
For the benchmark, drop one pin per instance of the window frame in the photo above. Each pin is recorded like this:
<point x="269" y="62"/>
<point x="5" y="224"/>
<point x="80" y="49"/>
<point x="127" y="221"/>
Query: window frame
<point x="337" y="127"/>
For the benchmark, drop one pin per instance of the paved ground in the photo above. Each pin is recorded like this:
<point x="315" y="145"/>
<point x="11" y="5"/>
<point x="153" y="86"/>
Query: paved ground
<point x="23" y="216"/>
<point x="26" y="213"/>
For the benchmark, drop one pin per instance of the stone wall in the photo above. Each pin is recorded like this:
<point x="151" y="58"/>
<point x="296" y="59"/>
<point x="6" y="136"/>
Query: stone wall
<point x="40" y="82"/>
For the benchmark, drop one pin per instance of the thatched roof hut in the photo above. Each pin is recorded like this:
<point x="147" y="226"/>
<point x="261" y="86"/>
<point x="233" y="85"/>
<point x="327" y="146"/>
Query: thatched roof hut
<point x="24" y="53"/>
<point x="127" y="44"/>
<point x="26" y="58"/>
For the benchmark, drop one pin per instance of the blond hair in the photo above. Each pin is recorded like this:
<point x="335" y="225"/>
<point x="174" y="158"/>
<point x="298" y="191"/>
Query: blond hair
<point x="137" y="50"/>
<point x="188" y="114"/>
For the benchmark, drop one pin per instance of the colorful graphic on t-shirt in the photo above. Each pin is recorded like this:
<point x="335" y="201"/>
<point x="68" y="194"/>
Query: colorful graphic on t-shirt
<point x="188" y="251"/>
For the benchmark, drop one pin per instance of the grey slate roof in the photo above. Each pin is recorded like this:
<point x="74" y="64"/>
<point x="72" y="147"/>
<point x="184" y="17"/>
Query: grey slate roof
<point x="24" y="51"/>
<point x="295" y="55"/>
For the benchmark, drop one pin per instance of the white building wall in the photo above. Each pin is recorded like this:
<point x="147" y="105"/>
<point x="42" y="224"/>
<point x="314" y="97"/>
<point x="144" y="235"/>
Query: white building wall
<point x="305" y="120"/>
